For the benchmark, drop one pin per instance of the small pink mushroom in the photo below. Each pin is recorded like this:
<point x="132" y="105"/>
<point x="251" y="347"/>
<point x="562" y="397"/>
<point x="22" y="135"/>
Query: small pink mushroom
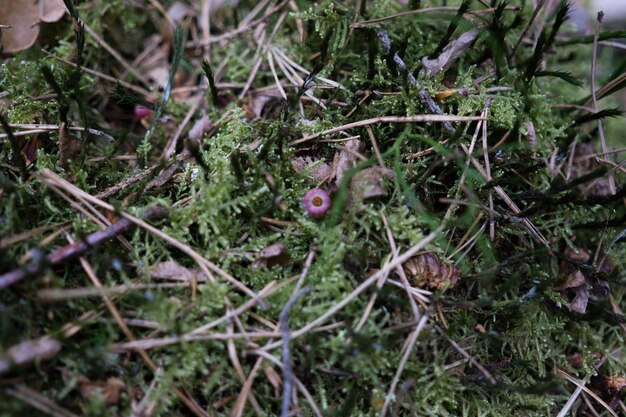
<point x="316" y="202"/>
<point x="141" y="112"/>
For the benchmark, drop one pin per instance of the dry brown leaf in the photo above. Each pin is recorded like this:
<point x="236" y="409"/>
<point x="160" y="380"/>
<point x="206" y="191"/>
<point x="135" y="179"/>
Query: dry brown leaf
<point x="162" y="178"/>
<point x="577" y="254"/>
<point x="273" y="378"/>
<point x="345" y="159"/>
<point x="573" y="280"/>
<point x="450" y="53"/>
<point x="427" y="270"/>
<point x="578" y="284"/>
<point x="368" y="183"/>
<point x="272" y="255"/>
<point x="31" y="146"/>
<point x="29" y="351"/>
<point x="314" y="169"/>
<point x="202" y="125"/>
<point x="108" y="390"/>
<point x="172" y="270"/>
<point x="581" y="299"/>
<point x="23" y="17"/>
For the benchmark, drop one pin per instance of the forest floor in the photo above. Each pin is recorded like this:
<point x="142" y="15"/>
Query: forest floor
<point x="333" y="208"/>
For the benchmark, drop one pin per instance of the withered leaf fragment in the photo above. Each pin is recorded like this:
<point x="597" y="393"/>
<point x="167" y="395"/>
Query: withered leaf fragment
<point x="427" y="270"/>
<point x="368" y="183"/>
<point x="345" y="159"/>
<point x="315" y="169"/>
<point x="450" y="53"/>
<point x="172" y="270"/>
<point x="272" y="255"/>
<point x="108" y="390"/>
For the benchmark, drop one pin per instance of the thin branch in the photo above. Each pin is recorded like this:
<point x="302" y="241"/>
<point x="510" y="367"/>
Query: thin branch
<point x="76" y="249"/>
<point x="283" y="323"/>
<point x="389" y="119"/>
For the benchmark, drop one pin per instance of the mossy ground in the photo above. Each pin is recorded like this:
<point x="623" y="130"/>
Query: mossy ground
<point x="237" y="193"/>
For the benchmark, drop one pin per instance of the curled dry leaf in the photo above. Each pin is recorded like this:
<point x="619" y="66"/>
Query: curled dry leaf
<point x="108" y="390"/>
<point x="345" y="159"/>
<point x="202" y="125"/>
<point x="315" y="170"/>
<point x="368" y="183"/>
<point x="427" y="270"/>
<point x="578" y="284"/>
<point x="24" y="17"/>
<point x="272" y="255"/>
<point x="450" y="53"/>
<point x="29" y="351"/>
<point x="577" y="287"/>
<point x="273" y="378"/>
<point x="172" y="270"/>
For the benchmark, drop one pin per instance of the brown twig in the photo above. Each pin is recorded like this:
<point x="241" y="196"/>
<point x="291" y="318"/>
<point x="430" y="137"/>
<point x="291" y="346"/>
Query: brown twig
<point x="420" y="118"/>
<point x="76" y="249"/>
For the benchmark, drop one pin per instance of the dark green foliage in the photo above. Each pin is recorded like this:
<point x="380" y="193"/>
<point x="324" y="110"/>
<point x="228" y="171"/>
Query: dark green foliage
<point x="208" y="73"/>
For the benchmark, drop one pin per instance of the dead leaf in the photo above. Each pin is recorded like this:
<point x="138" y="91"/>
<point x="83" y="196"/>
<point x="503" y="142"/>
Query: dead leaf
<point x="450" y="53"/>
<point x="172" y="270"/>
<point x="31" y="147"/>
<point x="51" y="10"/>
<point x="581" y="298"/>
<point x="108" y="390"/>
<point x="368" y="183"/>
<point x="573" y="280"/>
<point x="605" y="265"/>
<point x="202" y="125"/>
<point x="577" y="254"/>
<point x="345" y="159"/>
<point x="28" y="352"/>
<point x="427" y="270"/>
<point x="272" y="255"/>
<point x="69" y="147"/>
<point x="23" y="17"/>
<point x="315" y="169"/>
<point x="258" y="103"/>
<point x="273" y="378"/>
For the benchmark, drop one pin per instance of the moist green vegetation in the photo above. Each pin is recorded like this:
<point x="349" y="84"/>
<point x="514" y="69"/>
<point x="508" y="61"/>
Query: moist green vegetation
<point x="506" y="310"/>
